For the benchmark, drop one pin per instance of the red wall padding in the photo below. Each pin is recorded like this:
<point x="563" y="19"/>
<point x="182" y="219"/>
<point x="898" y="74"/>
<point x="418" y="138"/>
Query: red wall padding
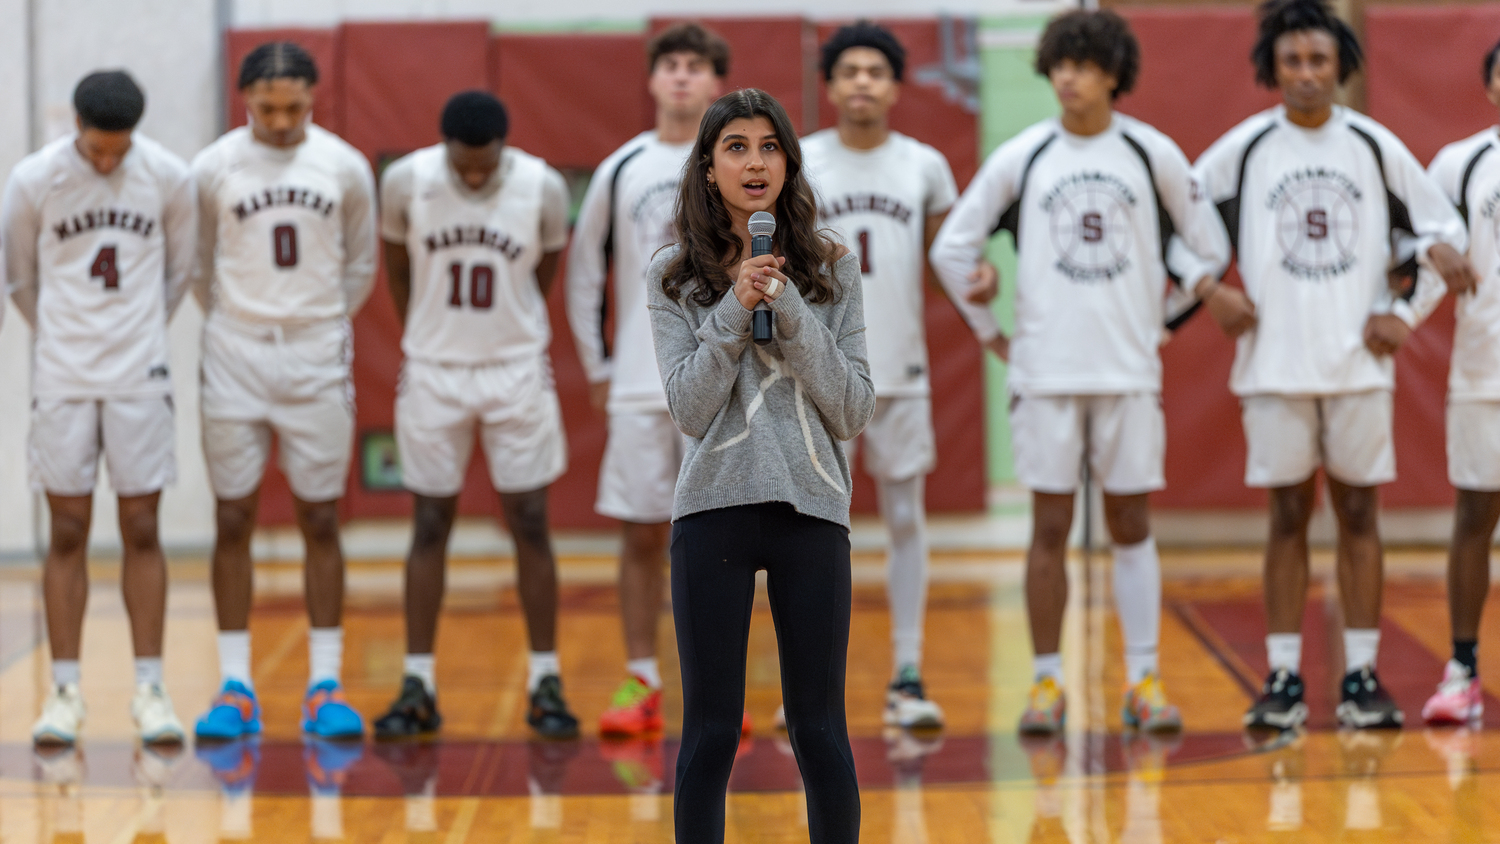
<point x="573" y="100"/>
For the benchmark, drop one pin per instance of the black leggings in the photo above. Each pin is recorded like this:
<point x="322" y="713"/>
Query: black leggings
<point x="715" y="555"/>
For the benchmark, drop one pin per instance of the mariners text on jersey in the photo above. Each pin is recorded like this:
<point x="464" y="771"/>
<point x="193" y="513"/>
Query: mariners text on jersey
<point x="454" y="236"/>
<point x="105" y="218"/>
<point x="874" y="202"/>
<point x="282" y="196"/>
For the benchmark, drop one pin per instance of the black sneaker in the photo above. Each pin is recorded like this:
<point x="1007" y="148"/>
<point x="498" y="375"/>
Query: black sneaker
<point x="1280" y="705"/>
<point x="549" y="714"/>
<point x="1365" y="704"/>
<point x="414" y="712"/>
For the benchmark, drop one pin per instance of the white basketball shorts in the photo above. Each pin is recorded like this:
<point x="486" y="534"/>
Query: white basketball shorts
<point x="899" y="443"/>
<point x="1474" y="445"/>
<point x="136" y="437"/>
<point x="1124" y="436"/>
<point x="1289" y="437"/>
<point x="639" y="474"/>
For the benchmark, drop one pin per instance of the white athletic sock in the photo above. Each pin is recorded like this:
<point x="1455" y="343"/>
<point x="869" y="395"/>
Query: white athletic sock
<point x="646" y="670"/>
<point x="148" y="671"/>
<point x="1047" y="665"/>
<point x="234" y="657"/>
<point x="538" y="665"/>
<point x="65" y="671"/>
<point x="325" y="654"/>
<point x="1284" y="650"/>
<point x="1137" y="581"/>
<point x="905" y="516"/>
<point x="1360" y="648"/>
<point x="424" y="668"/>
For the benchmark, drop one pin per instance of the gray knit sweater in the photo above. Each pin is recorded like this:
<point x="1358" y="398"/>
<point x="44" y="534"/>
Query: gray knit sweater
<point x="763" y="423"/>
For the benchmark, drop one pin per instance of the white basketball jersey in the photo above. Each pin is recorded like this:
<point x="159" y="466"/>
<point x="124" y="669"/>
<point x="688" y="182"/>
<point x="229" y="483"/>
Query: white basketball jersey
<point x="630" y="202"/>
<point x="292" y="235"/>
<point x="1313" y="237"/>
<point x="878" y="201"/>
<point x="1468" y="172"/>
<point x="474" y="294"/>
<point x="97" y="263"/>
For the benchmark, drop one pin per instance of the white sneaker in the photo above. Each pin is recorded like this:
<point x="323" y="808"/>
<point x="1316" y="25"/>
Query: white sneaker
<point x="62" y="715"/>
<point x="154" y="716"/>
<point x="906" y="703"/>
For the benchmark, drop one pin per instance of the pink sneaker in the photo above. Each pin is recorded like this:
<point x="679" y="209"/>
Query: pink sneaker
<point x="1459" y="699"/>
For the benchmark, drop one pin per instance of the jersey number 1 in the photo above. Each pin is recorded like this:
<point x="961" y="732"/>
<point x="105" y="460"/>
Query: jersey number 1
<point x="481" y="286"/>
<point x="104" y="267"/>
<point x="864" y="250"/>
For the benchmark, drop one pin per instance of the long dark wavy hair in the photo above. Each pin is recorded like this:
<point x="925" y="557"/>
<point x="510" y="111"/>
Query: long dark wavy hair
<point x="711" y="248"/>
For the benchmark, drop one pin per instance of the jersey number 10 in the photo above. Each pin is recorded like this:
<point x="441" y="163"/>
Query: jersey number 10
<point x="481" y="286"/>
<point x="104" y="267"/>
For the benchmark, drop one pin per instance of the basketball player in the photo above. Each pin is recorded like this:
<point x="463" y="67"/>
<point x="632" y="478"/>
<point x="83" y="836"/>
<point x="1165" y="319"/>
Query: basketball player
<point x="626" y="216"/>
<point x="1093" y="198"/>
<point x="99" y="228"/>
<point x="286" y="255"/>
<point x="886" y="195"/>
<point x="473" y="232"/>
<point x="1468" y="172"/>
<point x="1311" y="193"/>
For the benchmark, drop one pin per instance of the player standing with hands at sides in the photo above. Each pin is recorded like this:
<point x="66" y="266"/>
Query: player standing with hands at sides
<point x="1102" y="209"/>
<point x="626" y="216"/>
<point x="1468" y="173"/>
<point x="286" y="255"/>
<point x="99" y="229"/>
<point x="1311" y="193"/>
<point x="886" y="195"/>
<point x="473" y="231"/>
<point x="764" y="483"/>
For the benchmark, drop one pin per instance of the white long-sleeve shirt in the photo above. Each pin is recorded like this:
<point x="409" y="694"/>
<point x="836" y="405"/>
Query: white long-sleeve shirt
<point x="878" y="201"/>
<point x="286" y="235"/>
<point x="97" y="265"/>
<point x="1312" y="220"/>
<point x="637" y="186"/>
<point x="1468" y="173"/>
<point x="474" y="254"/>
<point x="1092" y="276"/>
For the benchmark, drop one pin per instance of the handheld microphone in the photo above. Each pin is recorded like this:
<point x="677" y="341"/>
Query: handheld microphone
<point x="762" y="226"/>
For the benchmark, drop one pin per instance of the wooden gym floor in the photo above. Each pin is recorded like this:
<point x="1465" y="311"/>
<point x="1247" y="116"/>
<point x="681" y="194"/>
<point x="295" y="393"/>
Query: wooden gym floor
<point x="488" y="781"/>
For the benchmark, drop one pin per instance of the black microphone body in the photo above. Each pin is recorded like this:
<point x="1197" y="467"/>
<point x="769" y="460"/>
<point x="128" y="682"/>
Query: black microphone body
<point x="762" y="226"/>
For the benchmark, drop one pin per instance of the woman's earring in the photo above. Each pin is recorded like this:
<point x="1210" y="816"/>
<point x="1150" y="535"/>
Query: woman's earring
<point x="713" y="186"/>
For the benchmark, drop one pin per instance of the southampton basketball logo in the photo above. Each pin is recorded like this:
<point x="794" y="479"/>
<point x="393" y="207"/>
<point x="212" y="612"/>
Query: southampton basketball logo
<point x="1089" y="219"/>
<point x="652" y="210"/>
<point x="1317" y="222"/>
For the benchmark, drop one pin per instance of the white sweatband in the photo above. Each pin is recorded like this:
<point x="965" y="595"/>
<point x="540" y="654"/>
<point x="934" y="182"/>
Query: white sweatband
<point x="773" y="287"/>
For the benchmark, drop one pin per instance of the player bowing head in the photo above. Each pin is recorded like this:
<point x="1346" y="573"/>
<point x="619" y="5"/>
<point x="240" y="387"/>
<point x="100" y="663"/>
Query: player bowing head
<point x="276" y="80"/>
<point x="109" y="104"/>
<point x="863" y="65"/>
<point x="474" y="126"/>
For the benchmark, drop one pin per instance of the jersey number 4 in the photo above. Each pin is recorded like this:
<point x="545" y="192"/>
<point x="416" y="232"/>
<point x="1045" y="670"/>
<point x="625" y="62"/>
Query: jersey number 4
<point x="481" y="286"/>
<point x="104" y="267"/>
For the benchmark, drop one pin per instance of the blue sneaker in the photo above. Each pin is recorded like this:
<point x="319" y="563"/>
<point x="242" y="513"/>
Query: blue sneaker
<point x="235" y="713"/>
<point x="233" y="763"/>
<point x="327" y="762"/>
<point x="326" y="715"/>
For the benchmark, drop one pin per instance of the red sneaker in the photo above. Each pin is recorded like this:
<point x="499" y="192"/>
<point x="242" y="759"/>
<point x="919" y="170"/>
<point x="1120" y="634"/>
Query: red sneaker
<point x="634" y="710"/>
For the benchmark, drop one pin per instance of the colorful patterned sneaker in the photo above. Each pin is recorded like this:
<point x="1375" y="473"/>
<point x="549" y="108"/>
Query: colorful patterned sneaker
<point x="326" y="715"/>
<point x="413" y="713"/>
<point x="635" y="710"/>
<point x="62" y="715"/>
<point x="1365" y="704"/>
<point x="1146" y="708"/>
<point x="1280" y="705"/>
<point x="907" y="706"/>
<point x="155" y="719"/>
<point x="1459" y="698"/>
<point x="234" y="713"/>
<point x="549" y="714"/>
<point x="1046" y="709"/>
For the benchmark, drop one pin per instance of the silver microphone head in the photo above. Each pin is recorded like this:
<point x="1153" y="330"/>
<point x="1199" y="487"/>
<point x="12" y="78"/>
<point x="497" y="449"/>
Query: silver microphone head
<point x="762" y="222"/>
